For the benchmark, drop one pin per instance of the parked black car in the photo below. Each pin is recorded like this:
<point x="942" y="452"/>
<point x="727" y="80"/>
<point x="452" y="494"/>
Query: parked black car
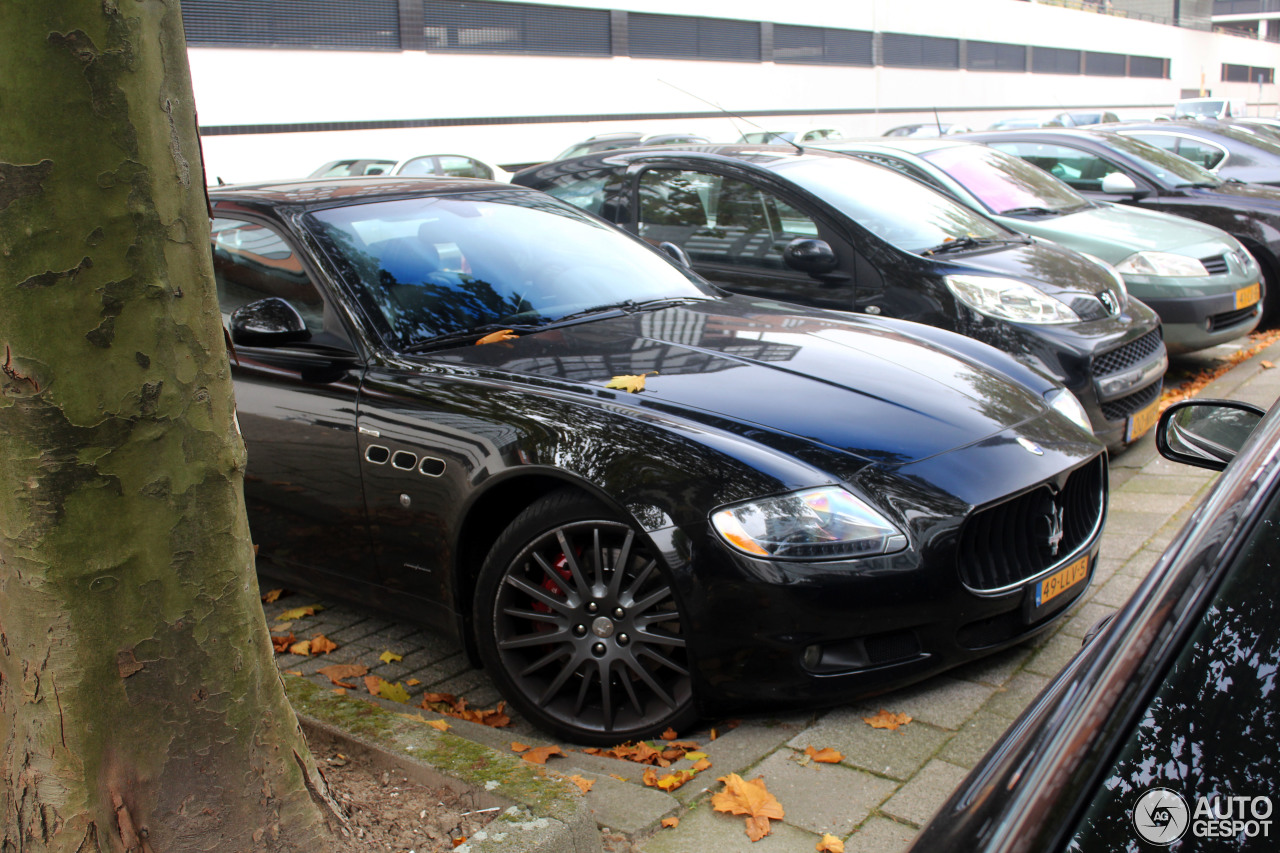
<point x="1126" y="170"/>
<point x="1227" y="150"/>
<point x="822" y="229"/>
<point x="633" y="498"/>
<point x="1163" y="727"/>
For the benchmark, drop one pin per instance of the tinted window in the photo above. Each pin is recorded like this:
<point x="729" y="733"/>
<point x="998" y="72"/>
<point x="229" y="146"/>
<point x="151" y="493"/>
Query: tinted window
<point x="1166" y="167"/>
<point x="584" y="191"/>
<point x="1200" y="153"/>
<point x="252" y="262"/>
<point x="1082" y="170"/>
<point x="719" y="220"/>
<point x="429" y="266"/>
<point x="1004" y="184"/>
<point x="1210" y="729"/>
<point x="890" y="205"/>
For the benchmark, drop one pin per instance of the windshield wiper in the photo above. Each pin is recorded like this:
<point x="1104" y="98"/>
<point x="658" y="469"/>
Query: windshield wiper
<point x="467" y="335"/>
<point x="961" y="243"/>
<point x="1031" y="211"/>
<point x="617" y="309"/>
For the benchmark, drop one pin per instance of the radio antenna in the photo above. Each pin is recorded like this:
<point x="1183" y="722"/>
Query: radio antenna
<point x="734" y="115"/>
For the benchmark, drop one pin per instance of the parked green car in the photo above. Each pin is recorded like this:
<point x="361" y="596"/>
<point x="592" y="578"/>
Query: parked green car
<point x="1204" y="285"/>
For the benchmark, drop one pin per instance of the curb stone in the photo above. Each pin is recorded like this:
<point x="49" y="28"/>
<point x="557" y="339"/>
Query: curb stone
<point x="542" y="814"/>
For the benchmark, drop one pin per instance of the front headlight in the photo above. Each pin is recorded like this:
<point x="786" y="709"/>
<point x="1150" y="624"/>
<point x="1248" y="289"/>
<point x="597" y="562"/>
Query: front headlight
<point x="826" y="523"/>
<point x="1066" y="403"/>
<point x="1009" y="299"/>
<point x="1161" y="263"/>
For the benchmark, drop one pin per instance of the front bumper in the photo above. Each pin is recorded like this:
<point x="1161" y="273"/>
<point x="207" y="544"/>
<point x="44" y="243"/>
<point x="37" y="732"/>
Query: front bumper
<point x="777" y="633"/>
<point x="1201" y="313"/>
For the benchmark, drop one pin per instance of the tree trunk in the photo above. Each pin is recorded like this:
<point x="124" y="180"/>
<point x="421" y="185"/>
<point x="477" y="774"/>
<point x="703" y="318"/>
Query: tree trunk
<point x="140" y="708"/>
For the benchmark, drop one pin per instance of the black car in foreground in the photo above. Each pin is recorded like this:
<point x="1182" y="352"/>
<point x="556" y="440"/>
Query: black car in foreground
<point x="634" y="498"/>
<point x="1126" y="170"/>
<point x="825" y="230"/>
<point x="1161" y="733"/>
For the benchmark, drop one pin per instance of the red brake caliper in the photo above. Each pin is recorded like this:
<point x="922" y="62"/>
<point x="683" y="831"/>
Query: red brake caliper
<point x="552" y="587"/>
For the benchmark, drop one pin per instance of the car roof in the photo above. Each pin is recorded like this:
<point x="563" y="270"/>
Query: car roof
<point x="911" y="145"/>
<point x="308" y="192"/>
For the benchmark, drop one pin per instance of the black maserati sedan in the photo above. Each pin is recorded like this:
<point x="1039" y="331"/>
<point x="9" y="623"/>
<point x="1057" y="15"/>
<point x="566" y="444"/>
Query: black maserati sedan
<point x="1111" y="167"/>
<point x="822" y="229"/>
<point x="633" y="497"/>
<point x="1231" y="151"/>
<point x="1161" y="732"/>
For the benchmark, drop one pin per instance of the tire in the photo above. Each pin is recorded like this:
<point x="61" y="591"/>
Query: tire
<point x="578" y="623"/>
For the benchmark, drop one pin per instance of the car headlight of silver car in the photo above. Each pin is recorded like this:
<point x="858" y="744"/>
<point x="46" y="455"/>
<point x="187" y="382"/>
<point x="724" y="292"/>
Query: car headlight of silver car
<point x="1009" y="299"/>
<point x="1161" y="263"/>
<point x="1066" y="403"/>
<point x="825" y="523"/>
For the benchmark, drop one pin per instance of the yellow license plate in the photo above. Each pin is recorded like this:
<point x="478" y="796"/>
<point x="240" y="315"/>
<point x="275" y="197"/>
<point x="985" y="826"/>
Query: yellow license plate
<point x="1061" y="581"/>
<point x="1247" y="296"/>
<point x="1141" y="421"/>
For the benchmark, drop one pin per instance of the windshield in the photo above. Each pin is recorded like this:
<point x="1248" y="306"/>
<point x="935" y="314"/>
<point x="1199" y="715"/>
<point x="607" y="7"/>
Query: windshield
<point x="895" y="208"/>
<point x="1198" y="108"/>
<point x="1166" y="166"/>
<point x="437" y="265"/>
<point x="1003" y="183"/>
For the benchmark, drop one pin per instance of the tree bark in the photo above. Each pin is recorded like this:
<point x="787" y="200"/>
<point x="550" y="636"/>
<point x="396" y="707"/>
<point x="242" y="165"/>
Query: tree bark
<point x="140" y="708"/>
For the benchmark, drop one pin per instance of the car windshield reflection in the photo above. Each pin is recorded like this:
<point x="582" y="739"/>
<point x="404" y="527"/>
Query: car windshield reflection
<point x="449" y="265"/>
<point x="1165" y="165"/>
<point x="892" y="206"/>
<point x="1006" y="184"/>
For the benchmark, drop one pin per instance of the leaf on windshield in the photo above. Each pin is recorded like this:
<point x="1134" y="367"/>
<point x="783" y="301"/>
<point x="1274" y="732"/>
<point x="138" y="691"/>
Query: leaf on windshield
<point x="497" y="337"/>
<point x="630" y="383"/>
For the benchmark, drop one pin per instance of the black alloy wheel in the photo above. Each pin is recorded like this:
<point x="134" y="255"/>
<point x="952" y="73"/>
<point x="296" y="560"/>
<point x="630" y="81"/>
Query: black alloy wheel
<point x="578" y="624"/>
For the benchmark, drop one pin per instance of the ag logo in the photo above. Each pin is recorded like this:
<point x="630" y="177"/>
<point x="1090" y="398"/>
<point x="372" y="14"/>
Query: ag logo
<point x="1161" y="816"/>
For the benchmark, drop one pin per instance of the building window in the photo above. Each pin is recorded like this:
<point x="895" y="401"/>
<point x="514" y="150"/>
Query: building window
<point x="325" y="24"/>
<point x="515" y="28"/>
<point x="1104" y="64"/>
<point x="680" y="37"/>
<point x="1247" y="74"/>
<point x="907" y="51"/>
<point x="822" y="45"/>
<point x="1148" y="66"/>
<point x="1054" y="60"/>
<point x="992" y="56"/>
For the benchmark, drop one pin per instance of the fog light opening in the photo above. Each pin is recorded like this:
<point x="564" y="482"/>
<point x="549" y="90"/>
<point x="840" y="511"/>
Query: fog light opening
<point x="812" y="654"/>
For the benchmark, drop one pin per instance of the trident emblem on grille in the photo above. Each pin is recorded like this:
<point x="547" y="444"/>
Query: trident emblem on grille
<point x="1055" y="519"/>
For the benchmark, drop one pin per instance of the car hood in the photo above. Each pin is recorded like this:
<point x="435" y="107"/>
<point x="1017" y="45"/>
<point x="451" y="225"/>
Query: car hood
<point x="870" y="388"/>
<point x="1057" y="271"/>
<point x="1114" y="232"/>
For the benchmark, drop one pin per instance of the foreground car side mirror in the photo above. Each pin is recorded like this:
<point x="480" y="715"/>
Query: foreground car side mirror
<point x="807" y="255"/>
<point x="1205" y="433"/>
<point x="1118" y="183"/>
<point x="268" y="323"/>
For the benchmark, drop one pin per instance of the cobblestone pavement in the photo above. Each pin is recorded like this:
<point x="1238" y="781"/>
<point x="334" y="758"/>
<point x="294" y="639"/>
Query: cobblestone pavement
<point x="889" y="782"/>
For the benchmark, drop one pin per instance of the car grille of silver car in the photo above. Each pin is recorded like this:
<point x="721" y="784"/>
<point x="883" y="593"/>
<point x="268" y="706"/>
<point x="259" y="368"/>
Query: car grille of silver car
<point x="1216" y="265"/>
<point x="1004" y="545"/>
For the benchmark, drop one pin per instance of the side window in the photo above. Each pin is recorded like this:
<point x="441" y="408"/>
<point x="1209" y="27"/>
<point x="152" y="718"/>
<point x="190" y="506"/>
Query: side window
<point x="1208" y="734"/>
<point x="1079" y="169"/>
<point x="464" y="167"/>
<point x="1200" y="153"/>
<point x="584" y="191"/>
<point x="1159" y="140"/>
<point x="418" y="167"/>
<point x="719" y="220"/>
<point x="252" y="262"/>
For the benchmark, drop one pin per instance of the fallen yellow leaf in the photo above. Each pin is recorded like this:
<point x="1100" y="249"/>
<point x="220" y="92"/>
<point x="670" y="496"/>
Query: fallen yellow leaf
<point x="322" y="645"/>
<point x="670" y="822"/>
<point x="302" y="648"/>
<point x="440" y="725"/>
<point x="390" y="657"/>
<point x="338" y="671"/>
<point x="495" y="337"/>
<point x="701" y="764"/>
<point x="394" y="692"/>
<point x="631" y="383"/>
<point x="272" y="595"/>
<point x="582" y="783"/>
<point x="412" y="682"/>
<point x="883" y="719"/>
<point x="826" y="755"/>
<point x="830" y="844"/>
<point x="540" y="754"/>
<point x="751" y="799"/>
<point x="670" y="734"/>
<point x="1266" y="365"/>
<point x="517" y="746"/>
<point x="299" y="612"/>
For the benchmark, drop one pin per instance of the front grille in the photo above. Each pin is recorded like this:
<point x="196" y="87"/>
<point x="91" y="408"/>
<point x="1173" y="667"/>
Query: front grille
<point x="1118" y="410"/>
<point x="1010" y="542"/>
<point x="1231" y="318"/>
<point x="1216" y="265"/>
<point x="1134" y="352"/>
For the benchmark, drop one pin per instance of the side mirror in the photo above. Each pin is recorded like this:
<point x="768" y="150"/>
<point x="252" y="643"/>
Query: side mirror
<point x="807" y="255"/>
<point x="1205" y="433"/>
<point x="1118" y="183"/>
<point x="676" y="254"/>
<point x="268" y="323"/>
